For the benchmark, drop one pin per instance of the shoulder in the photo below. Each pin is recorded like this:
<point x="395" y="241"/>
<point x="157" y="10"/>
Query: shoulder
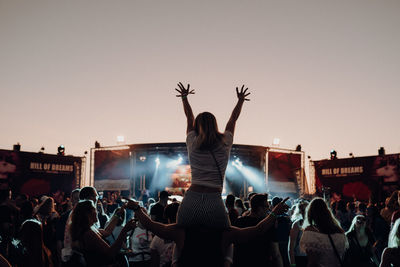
<point x="311" y="228"/>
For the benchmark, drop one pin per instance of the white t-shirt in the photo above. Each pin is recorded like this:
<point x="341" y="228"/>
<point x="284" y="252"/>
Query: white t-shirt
<point x="319" y="244"/>
<point x="202" y="164"/>
<point x="140" y="244"/>
<point x="164" y="249"/>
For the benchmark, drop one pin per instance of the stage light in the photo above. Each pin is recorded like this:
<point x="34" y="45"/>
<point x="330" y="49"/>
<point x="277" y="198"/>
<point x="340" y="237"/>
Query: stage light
<point x="180" y="159"/>
<point x="96" y="144"/>
<point x="250" y="189"/>
<point x="333" y="154"/>
<point x="17" y="147"/>
<point x="61" y="150"/>
<point x="276" y="141"/>
<point x="237" y="163"/>
<point x="142" y="158"/>
<point x="120" y="139"/>
<point x="381" y="151"/>
<point x="157" y="161"/>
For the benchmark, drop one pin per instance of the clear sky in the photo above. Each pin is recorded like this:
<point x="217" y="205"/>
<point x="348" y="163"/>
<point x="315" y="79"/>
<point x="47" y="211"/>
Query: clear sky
<point x="323" y="74"/>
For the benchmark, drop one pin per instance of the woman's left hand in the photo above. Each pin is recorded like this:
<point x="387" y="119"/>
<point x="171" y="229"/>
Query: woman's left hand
<point x="243" y="93"/>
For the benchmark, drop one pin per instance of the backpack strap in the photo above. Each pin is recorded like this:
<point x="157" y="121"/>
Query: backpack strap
<point x="336" y="252"/>
<point x="219" y="170"/>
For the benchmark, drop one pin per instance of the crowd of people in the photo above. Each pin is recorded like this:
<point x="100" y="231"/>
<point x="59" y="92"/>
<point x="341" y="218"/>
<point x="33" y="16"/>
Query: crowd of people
<point x="204" y="229"/>
<point x="310" y="233"/>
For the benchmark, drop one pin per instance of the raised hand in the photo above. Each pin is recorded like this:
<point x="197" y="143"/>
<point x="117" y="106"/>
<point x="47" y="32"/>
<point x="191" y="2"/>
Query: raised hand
<point x="183" y="92"/>
<point x="281" y="207"/>
<point x="242" y="94"/>
<point x="131" y="204"/>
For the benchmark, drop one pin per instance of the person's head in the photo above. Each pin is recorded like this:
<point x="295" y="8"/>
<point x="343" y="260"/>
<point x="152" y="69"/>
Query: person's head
<point x="320" y="216"/>
<point x="250" y="195"/>
<point x="230" y="201"/>
<point x="31" y="235"/>
<point x="276" y="201"/>
<point x="164" y="196"/>
<point x="206" y="128"/>
<point x="351" y="207"/>
<point x="170" y="212"/>
<point x="300" y="211"/>
<point x="239" y="204"/>
<point x="84" y="215"/>
<point x="5" y="194"/>
<point x="75" y="197"/>
<point x="46" y="207"/>
<point x="89" y="192"/>
<point x="259" y="205"/>
<point x="358" y="224"/>
<point x="341" y="206"/>
<point x="362" y="208"/>
<point x="394" y="236"/>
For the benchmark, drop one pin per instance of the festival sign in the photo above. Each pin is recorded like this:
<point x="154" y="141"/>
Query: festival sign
<point x="362" y="177"/>
<point x="37" y="174"/>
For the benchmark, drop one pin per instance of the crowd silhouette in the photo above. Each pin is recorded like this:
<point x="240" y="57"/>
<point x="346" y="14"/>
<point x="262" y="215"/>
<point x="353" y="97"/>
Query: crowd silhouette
<point x="205" y="229"/>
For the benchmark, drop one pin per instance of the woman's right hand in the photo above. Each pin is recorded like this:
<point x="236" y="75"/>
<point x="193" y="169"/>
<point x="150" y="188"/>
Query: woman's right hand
<point x="183" y="91"/>
<point x="281" y="207"/>
<point x="242" y="94"/>
<point x="130" y="225"/>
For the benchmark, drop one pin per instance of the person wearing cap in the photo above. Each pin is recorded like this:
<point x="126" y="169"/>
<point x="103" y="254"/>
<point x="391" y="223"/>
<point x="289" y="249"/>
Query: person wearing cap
<point x="263" y="250"/>
<point x="209" y="152"/>
<point x="157" y="210"/>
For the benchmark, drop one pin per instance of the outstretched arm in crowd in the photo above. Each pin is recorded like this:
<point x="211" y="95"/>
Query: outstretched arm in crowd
<point x="112" y="223"/>
<point x="165" y="231"/>
<point x="183" y="93"/>
<point x="242" y="96"/>
<point x="239" y="235"/>
<point x="94" y="241"/>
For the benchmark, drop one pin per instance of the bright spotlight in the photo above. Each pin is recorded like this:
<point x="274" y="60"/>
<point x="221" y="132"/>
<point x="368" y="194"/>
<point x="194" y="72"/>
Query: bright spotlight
<point x="142" y="158"/>
<point x="180" y="159"/>
<point x="120" y="139"/>
<point x="237" y="163"/>
<point x="276" y="141"/>
<point x="157" y="161"/>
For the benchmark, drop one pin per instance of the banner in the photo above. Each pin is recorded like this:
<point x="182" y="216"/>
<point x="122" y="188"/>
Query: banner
<point x="363" y="177"/>
<point x="283" y="172"/>
<point x="112" y="170"/>
<point x="37" y="174"/>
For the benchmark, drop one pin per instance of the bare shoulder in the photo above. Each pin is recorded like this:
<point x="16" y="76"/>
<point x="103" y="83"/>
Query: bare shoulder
<point x="311" y="229"/>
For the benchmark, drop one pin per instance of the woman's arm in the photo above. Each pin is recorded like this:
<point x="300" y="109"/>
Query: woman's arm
<point x="230" y="126"/>
<point x="165" y="231"/>
<point x="96" y="243"/>
<point x="294" y="232"/>
<point x="238" y="235"/>
<point x="183" y="93"/>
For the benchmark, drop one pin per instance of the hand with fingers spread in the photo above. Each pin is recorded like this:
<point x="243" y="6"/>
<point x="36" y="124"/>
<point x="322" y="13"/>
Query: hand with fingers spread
<point x="242" y="94"/>
<point x="184" y="92"/>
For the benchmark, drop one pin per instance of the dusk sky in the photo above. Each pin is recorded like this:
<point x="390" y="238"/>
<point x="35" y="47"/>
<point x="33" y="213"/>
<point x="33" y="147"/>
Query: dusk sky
<point x="323" y="74"/>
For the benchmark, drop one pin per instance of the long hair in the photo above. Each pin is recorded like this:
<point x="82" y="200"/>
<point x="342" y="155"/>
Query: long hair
<point x="299" y="211"/>
<point x="394" y="236"/>
<point x="352" y="229"/>
<point x="321" y="217"/>
<point x="80" y="218"/>
<point x="206" y="128"/>
<point x="31" y="234"/>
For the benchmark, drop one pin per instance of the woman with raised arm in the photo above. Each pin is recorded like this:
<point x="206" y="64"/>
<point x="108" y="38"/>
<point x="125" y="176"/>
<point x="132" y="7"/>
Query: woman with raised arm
<point x="204" y="246"/>
<point x="208" y="152"/>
